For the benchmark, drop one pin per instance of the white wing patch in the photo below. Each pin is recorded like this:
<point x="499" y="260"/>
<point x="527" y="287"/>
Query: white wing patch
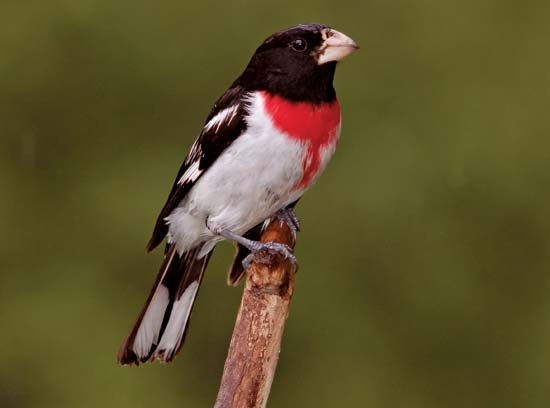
<point x="191" y="174"/>
<point x="195" y="153"/>
<point x="226" y="115"/>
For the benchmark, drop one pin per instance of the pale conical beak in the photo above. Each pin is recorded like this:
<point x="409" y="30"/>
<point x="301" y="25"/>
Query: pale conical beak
<point x="335" y="46"/>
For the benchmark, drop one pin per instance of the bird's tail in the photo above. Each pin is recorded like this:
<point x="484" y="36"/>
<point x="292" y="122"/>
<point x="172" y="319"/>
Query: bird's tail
<point x="161" y="326"/>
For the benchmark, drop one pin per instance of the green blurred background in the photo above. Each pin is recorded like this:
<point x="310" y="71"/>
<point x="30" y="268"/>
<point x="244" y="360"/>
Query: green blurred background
<point x="425" y="251"/>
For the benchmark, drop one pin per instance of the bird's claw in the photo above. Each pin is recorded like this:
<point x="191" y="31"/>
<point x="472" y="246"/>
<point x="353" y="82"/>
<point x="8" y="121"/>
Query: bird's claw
<point x="264" y="252"/>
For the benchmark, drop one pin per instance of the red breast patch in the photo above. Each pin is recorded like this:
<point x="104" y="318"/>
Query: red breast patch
<point x="314" y="125"/>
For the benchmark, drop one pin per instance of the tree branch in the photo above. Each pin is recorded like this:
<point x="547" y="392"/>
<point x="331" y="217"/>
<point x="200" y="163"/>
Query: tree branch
<point x="254" y="350"/>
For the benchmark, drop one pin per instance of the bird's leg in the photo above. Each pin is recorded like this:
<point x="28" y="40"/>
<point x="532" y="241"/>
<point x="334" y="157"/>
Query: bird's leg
<point x="288" y="216"/>
<point x="259" y="251"/>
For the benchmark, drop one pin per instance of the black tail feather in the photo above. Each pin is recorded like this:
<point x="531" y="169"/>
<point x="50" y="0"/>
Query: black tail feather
<point x="160" y="329"/>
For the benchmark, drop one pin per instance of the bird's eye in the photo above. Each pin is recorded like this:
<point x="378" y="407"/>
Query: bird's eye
<point x="299" y="45"/>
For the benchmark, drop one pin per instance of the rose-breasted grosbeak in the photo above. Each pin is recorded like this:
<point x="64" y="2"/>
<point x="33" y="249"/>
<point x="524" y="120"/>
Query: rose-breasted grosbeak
<point x="265" y="142"/>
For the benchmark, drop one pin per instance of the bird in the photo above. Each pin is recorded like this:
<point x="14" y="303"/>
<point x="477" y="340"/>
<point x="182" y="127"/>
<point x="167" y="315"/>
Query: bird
<point x="265" y="142"/>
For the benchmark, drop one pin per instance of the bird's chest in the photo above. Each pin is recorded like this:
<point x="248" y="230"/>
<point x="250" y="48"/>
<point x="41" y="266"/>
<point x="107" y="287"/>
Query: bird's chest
<point x="270" y="165"/>
<point x="314" y="129"/>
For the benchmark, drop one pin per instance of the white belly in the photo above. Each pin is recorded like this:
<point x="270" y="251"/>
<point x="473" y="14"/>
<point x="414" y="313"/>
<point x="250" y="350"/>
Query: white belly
<point x="252" y="179"/>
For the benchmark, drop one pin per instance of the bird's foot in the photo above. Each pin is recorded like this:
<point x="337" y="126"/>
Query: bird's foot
<point x="263" y="253"/>
<point x="288" y="216"/>
<point x="259" y="251"/>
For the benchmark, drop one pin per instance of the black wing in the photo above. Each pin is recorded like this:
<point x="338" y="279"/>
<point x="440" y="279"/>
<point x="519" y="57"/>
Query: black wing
<point x="224" y="124"/>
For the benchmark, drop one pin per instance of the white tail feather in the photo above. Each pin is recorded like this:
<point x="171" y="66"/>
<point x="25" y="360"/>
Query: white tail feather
<point x="149" y="329"/>
<point x="173" y="333"/>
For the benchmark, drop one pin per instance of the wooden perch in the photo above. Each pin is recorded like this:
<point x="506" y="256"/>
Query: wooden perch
<point x="254" y="350"/>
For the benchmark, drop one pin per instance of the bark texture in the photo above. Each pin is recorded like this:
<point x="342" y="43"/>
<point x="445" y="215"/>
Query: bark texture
<point x="254" y="350"/>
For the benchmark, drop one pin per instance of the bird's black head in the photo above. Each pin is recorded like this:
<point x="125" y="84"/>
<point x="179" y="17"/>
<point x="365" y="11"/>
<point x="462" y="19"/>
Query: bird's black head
<point x="298" y="63"/>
